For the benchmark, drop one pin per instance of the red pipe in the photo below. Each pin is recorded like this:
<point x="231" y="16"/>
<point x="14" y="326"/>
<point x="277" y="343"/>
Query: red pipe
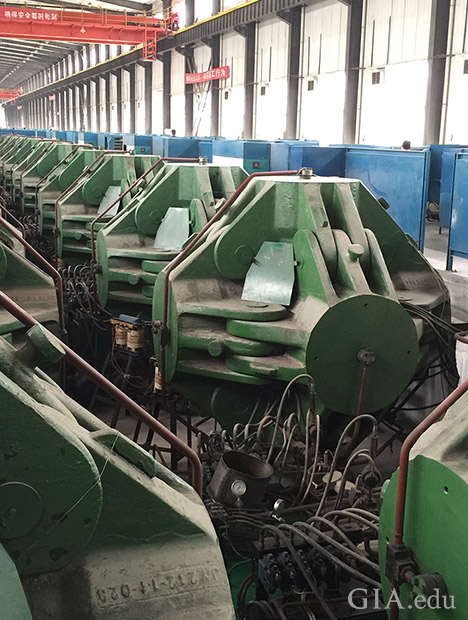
<point x="362" y="390"/>
<point x="17" y="222"/>
<point x="129" y="189"/>
<point x="178" y="259"/>
<point x="113" y="391"/>
<point x="47" y="266"/>
<point x="408" y="444"/>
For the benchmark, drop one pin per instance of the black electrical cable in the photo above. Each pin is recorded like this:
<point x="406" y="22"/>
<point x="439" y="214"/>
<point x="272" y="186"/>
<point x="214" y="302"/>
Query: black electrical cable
<point x="297" y="559"/>
<point x="333" y="558"/>
<point x="263" y="607"/>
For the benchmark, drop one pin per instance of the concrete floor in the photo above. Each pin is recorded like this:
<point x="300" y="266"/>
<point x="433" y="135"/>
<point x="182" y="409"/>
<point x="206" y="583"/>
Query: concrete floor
<point x="435" y="250"/>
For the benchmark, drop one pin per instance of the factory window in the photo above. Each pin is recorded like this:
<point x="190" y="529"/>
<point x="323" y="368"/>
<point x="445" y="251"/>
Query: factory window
<point x="310" y="84"/>
<point x="376" y="77"/>
<point x="262" y="90"/>
<point x="465" y="67"/>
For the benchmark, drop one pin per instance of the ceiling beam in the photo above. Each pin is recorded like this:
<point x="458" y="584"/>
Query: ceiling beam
<point x="137" y="7"/>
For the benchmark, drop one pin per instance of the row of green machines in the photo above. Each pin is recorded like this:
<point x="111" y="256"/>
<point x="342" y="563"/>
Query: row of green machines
<point x="290" y="302"/>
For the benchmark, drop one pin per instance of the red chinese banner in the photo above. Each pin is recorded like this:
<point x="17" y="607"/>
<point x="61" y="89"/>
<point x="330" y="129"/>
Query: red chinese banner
<point x="28" y="14"/>
<point x="220" y="73"/>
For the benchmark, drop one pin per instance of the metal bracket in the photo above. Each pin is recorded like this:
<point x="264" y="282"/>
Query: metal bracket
<point x="161" y="331"/>
<point x="399" y="564"/>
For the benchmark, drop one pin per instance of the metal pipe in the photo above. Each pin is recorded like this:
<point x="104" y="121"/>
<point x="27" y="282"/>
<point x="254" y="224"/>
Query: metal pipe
<point x="129" y="189"/>
<point x="178" y="259"/>
<point x="17" y="222"/>
<point x="47" y="266"/>
<point x="114" y="392"/>
<point x="408" y="444"/>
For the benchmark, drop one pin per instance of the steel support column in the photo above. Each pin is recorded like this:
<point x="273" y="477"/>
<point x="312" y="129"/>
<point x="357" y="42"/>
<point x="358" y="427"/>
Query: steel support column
<point x="108" y="102"/>
<point x="294" y="18"/>
<point x="250" y="49"/>
<point x="189" y="12"/>
<point x="440" y="17"/>
<point x="73" y="108"/>
<point x="61" y="96"/>
<point x="88" y="106"/>
<point x="188" y="53"/>
<point x="353" y="57"/>
<point x="133" y="111"/>
<point x="53" y="113"/>
<point x="215" y="62"/>
<point x="119" y="99"/>
<point x="97" y="102"/>
<point x="167" y="61"/>
<point x="81" y="106"/>
<point x="148" y="97"/>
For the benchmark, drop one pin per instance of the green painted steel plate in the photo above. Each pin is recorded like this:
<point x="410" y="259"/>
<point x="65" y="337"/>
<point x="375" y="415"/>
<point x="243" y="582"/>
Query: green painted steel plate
<point x="270" y="277"/>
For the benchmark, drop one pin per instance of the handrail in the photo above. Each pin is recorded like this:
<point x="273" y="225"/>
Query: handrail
<point x="79" y="363"/>
<point x="129" y="189"/>
<point x="178" y="259"/>
<point x="48" y="267"/>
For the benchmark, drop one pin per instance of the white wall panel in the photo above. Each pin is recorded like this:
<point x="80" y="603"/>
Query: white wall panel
<point x="271" y="82"/>
<point x="394" y="110"/>
<point x="396" y="31"/>
<point x="77" y="109"/>
<point x="321" y="115"/>
<point x="93" y="107"/>
<point x="178" y="93"/>
<point x="229" y="4"/>
<point x="202" y="93"/>
<point x="396" y="43"/>
<point x="203" y="9"/>
<point x="157" y="98"/>
<point x="232" y="92"/>
<point x="323" y="67"/>
<point x="70" y="110"/>
<point x="455" y="119"/>
<point x="114" y="98"/>
<point x="125" y="99"/>
<point x="102" y="107"/>
<point x="140" y="110"/>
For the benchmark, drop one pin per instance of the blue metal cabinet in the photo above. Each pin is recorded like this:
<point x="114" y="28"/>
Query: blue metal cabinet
<point x="458" y="233"/>
<point x="142" y="144"/>
<point x="281" y="150"/>
<point x="401" y="178"/>
<point x="324" y="160"/>
<point x="449" y="154"/>
<point x="252" y="155"/>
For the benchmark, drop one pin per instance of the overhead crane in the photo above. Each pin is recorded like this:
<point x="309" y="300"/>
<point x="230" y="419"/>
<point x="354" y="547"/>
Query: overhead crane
<point x="23" y="22"/>
<point x="10" y="93"/>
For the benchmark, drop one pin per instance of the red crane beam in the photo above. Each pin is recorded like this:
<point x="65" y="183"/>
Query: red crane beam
<point x="21" y="22"/>
<point x="10" y="93"/>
